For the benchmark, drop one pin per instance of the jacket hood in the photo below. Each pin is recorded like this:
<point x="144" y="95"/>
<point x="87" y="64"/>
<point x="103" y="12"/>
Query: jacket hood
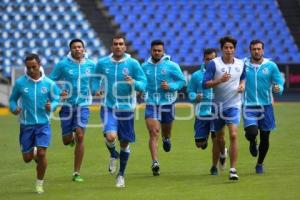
<point x="248" y="61"/>
<point x="165" y="57"/>
<point x="85" y="56"/>
<point x="126" y="56"/>
<point x="38" y="80"/>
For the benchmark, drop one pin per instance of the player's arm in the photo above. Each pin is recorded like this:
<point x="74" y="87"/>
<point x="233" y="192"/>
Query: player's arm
<point x="97" y="80"/>
<point x="56" y="73"/>
<point x="209" y="81"/>
<point x="192" y="90"/>
<point x="54" y="97"/>
<point x="178" y="77"/>
<point x="13" y="100"/>
<point x="139" y="78"/>
<point x="277" y="80"/>
<point x="241" y="87"/>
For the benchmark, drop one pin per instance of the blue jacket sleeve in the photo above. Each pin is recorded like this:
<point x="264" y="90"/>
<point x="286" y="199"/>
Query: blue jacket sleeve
<point x="192" y="89"/>
<point x="13" y="100"/>
<point x="140" y="80"/>
<point x="277" y="78"/>
<point x="209" y="73"/>
<point x="243" y="76"/>
<point x="96" y="79"/>
<point x="178" y="77"/>
<point x="56" y="73"/>
<point x="54" y="96"/>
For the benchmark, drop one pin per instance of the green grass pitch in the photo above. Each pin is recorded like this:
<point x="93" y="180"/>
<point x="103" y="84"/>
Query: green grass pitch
<point x="184" y="170"/>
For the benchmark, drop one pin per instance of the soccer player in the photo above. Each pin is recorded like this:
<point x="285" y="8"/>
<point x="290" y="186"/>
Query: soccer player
<point x="226" y="75"/>
<point x="34" y="97"/>
<point x="263" y="78"/>
<point x="122" y="76"/>
<point x="164" y="79"/>
<point x="74" y="71"/>
<point x="204" y="114"/>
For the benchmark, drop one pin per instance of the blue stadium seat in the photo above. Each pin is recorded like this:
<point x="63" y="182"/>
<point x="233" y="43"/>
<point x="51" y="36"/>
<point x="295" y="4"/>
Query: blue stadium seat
<point x="52" y="23"/>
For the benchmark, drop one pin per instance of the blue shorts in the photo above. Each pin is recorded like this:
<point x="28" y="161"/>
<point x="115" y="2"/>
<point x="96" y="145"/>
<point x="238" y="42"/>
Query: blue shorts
<point x="34" y="135"/>
<point x="163" y="113"/>
<point x="73" y="117"/>
<point x="227" y="116"/>
<point x="203" y="127"/>
<point x="120" y="122"/>
<point x="261" y="116"/>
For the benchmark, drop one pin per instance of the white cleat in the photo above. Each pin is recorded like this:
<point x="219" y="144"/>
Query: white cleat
<point x="39" y="189"/>
<point x="112" y="166"/>
<point x="120" y="182"/>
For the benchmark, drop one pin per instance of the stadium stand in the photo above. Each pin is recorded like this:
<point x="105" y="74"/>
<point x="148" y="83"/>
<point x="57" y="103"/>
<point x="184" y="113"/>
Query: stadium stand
<point x="188" y="26"/>
<point x="44" y="27"/>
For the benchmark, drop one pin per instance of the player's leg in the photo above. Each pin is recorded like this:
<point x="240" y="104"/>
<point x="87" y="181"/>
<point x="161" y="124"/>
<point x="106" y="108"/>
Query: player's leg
<point x="80" y="119"/>
<point x="250" y="117"/>
<point x="218" y="126"/>
<point x="223" y="152"/>
<point x="266" y="124"/>
<point x="110" y="128"/>
<point x="232" y="118"/>
<point x="42" y="139"/>
<point x="67" y="120"/>
<point x="126" y="135"/>
<point x="263" y="150"/>
<point x="27" y="143"/>
<point x="201" y="132"/>
<point x="153" y="125"/>
<point x="167" y="118"/>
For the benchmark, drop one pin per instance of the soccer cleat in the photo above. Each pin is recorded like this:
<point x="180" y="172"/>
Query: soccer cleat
<point x="213" y="171"/>
<point x="233" y="174"/>
<point x="39" y="188"/>
<point x="253" y="148"/>
<point x="155" y="168"/>
<point x="222" y="160"/>
<point x="77" y="178"/>
<point x="167" y="145"/>
<point x="259" y="169"/>
<point x="112" y="165"/>
<point x="120" y="181"/>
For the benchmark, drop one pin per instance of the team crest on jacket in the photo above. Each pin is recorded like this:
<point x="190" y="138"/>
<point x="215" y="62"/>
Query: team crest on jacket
<point x="223" y="69"/>
<point x="125" y="71"/>
<point x="163" y="71"/>
<point x="71" y="72"/>
<point x="44" y="90"/>
<point x="25" y="90"/>
<point x="265" y="71"/>
<point x="148" y="72"/>
<point x="87" y="71"/>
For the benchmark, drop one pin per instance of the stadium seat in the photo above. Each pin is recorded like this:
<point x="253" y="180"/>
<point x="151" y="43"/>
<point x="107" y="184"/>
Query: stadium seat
<point x="204" y="20"/>
<point x="52" y="23"/>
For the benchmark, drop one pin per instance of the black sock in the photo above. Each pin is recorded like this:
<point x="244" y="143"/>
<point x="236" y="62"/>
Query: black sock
<point x="263" y="146"/>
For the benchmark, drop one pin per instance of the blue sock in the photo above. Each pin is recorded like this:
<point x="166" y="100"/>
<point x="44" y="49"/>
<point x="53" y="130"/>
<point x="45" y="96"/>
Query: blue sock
<point x="111" y="146"/>
<point x="124" y="155"/>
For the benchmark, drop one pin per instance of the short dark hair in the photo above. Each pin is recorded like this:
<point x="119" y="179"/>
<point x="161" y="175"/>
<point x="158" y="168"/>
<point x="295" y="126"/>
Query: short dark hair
<point x="157" y="42"/>
<point x="76" y="40"/>
<point x="229" y="39"/>
<point x="208" y="51"/>
<point x="119" y="36"/>
<point x="256" y="41"/>
<point x="32" y="56"/>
